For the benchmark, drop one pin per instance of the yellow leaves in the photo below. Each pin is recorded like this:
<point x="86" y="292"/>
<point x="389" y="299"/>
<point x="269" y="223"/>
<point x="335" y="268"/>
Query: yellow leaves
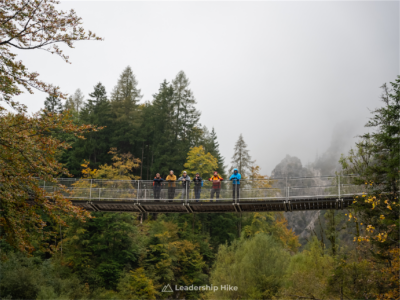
<point x="136" y="285"/>
<point x="382" y="237"/>
<point x="87" y="172"/>
<point x="260" y="181"/>
<point x="370" y="228"/>
<point x="382" y="217"/>
<point x="388" y="204"/>
<point x="361" y="239"/>
<point x="30" y="146"/>
<point x="389" y="272"/>
<point x="123" y="165"/>
<point x="275" y="224"/>
<point x="198" y="161"/>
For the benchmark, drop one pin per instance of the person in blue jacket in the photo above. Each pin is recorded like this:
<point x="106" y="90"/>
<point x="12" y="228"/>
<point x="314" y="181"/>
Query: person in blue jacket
<point x="235" y="178"/>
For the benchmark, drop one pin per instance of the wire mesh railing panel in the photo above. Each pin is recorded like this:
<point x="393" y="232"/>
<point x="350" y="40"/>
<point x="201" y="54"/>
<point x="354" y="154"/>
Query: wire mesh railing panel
<point x="312" y="181"/>
<point x="313" y="192"/>
<point x="348" y="190"/>
<point x="191" y="191"/>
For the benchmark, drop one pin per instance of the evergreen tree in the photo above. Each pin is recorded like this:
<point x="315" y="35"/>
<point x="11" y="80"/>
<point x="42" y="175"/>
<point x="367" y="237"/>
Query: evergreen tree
<point x="241" y="159"/>
<point x="97" y="112"/>
<point x="124" y="103"/>
<point x="77" y="100"/>
<point x="96" y="144"/>
<point x="185" y="120"/>
<point x="186" y="116"/>
<point x="376" y="161"/>
<point x="163" y="148"/>
<point x="213" y="148"/>
<point x="53" y="104"/>
<point x="69" y="104"/>
<point x="74" y="104"/>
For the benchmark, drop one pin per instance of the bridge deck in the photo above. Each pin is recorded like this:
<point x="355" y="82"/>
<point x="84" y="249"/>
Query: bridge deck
<point x="276" y="194"/>
<point x="151" y="206"/>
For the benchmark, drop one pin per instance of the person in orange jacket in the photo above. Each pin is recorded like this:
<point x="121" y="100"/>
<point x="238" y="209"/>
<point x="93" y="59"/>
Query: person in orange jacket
<point x="171" y="178"/>
<point x="216" y="186"/>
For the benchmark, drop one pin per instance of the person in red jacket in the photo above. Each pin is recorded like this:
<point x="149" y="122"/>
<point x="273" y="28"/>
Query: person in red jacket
<point x="216" y="186"/>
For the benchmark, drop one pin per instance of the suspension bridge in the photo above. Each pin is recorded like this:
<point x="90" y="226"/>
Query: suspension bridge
<point x="274" y="194"/>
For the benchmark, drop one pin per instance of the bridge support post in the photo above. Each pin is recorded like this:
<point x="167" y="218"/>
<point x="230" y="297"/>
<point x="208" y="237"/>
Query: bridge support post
<point x="90" y="190"/>
<point x="186" y="194"/>
<point x="138" y="188"/>
<point x="287" y="202"/>
<point x="339" y="201"/>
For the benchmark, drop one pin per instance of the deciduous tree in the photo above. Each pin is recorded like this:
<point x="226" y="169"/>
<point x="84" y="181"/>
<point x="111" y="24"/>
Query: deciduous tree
<point x="200" y="162"/>
<point x="31" y="25"/>
<point x="28" y="153"/>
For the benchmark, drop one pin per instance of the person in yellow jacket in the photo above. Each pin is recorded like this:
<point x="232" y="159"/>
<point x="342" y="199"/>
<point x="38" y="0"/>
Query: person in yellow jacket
<point x="171" y="178"/>
<point x="216" y="186"/>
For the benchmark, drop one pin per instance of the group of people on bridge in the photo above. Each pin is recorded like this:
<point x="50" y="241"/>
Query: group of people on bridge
<point x="185" y="181"/>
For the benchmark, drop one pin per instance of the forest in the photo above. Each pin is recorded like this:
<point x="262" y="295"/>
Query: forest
<point x="159" y="133"/>
<point x="51" y="249"/>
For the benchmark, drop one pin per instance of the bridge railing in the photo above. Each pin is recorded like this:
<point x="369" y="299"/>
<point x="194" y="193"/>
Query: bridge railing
<point x="179" y="191"/>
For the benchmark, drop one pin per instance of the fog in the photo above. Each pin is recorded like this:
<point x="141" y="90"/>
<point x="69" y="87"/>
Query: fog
<point x="292" y="77"/>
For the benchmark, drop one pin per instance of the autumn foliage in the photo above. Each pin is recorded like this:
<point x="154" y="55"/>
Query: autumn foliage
<point x="31" y="25"/>
<point x="29" y="146"/>
<point x="28" y="154"/>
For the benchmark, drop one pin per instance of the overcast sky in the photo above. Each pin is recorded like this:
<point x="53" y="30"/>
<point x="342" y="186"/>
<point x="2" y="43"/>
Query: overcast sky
<point x="284" y="74"/>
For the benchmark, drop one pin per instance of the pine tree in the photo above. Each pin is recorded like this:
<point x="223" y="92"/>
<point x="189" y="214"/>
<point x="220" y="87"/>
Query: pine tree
<point x="376" y="161"/>
<point x="53" y="104"/>
<point x="186" y="116"/>
<point x="78" y="99"/>
<point x="213" y="148"/>
<point x="94" y="148"/>
<point x="97" y="111"/>
<point x="124" y="102"/>
<point x="241" y="159"/>
<point x="161" y="130"/>
<point x="74" y="104"/>
<point x="171" y="128"/>
<point x="69" y="104"/>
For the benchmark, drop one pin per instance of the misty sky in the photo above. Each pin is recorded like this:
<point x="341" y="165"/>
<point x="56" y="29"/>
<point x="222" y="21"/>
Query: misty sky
<point x="284" y="74"/>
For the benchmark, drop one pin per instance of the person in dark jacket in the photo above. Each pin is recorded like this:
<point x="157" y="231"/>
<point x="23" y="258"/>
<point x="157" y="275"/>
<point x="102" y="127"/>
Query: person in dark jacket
<point x="216" y="186"/>
<point x="185" y="178"/>
<point x="157" y="182"/>
<point x="197" y="186"/>
<point x="235" y="178"/>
